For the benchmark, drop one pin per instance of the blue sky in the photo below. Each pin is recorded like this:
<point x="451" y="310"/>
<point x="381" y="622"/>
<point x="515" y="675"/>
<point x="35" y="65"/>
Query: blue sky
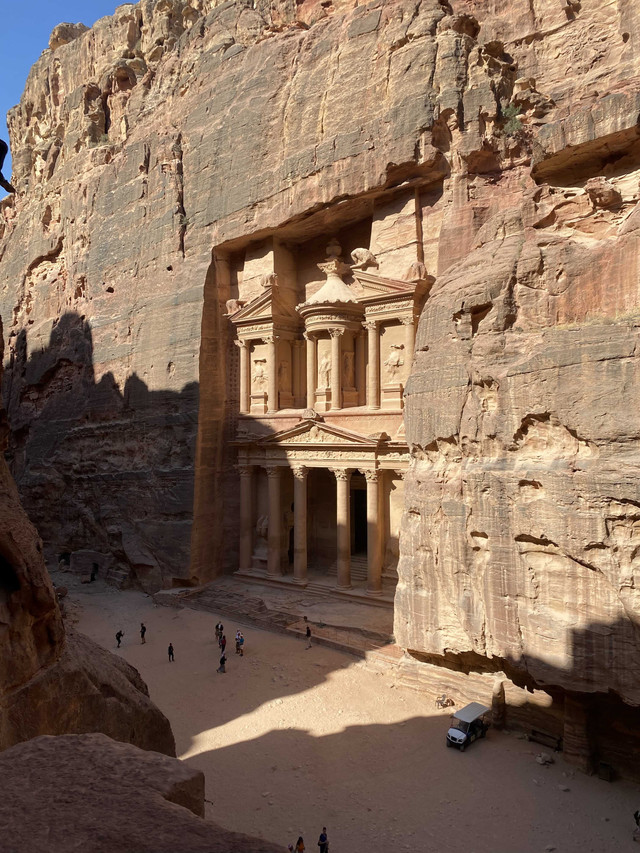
<point x="25" y="27"/>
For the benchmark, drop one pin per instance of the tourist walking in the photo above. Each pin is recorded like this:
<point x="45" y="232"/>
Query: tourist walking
<point x="223" y="661"/>
<point x="223" y="643"/>
<point x="143" y="631"/>
<point x="239" y="642"/>
<point x="308" y="637"/>
<point x="299" y="848"/>
<point x="219" y="630"/>
<point x="323" y="841"/>
<point x="170" y="652"/>
<point x="119" y="637"/>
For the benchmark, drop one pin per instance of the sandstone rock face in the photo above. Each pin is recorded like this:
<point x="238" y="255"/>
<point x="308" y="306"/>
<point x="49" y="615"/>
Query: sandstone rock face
<point x="495" y="146"/>
<point x="95" y="794"/>
<point x="52" y="682"/>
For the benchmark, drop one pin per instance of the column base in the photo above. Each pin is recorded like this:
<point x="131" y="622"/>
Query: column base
<point x="340" y="586"/>
<point x="300" y="581"/>
<point x="374" y="592"/>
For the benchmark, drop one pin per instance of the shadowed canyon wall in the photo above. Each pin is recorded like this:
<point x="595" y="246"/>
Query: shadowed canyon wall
<point x="502" y="142"/>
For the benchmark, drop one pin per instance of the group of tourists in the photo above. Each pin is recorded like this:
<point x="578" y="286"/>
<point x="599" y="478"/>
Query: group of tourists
<point x="220" y="637"/>
<point x="222" y="642"/>
<point x="323" y="843"/>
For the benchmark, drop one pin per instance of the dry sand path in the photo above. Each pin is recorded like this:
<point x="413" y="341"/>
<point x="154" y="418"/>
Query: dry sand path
<point x="291" y="740"/>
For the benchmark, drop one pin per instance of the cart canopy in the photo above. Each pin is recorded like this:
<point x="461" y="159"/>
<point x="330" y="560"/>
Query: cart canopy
<point x="471" y="712"/>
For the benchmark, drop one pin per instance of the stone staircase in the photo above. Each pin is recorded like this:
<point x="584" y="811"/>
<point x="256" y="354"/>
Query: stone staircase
<point x="358" y="568"/>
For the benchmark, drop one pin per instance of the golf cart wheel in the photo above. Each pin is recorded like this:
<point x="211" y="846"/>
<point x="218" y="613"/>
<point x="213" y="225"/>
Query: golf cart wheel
<point x="463" y="746"/>
<point x="449" y="744"/>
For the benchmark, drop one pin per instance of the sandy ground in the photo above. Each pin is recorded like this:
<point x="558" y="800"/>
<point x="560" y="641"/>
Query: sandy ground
<point x="291" y="740"/>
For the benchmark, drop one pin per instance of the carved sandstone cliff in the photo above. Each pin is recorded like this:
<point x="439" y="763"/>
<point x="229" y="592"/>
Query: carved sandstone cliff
<point x="161" y="155"/>
<point x="52" y="681"/>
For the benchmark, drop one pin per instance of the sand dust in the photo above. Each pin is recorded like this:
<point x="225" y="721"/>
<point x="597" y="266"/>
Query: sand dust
<point x="291" y="740"/>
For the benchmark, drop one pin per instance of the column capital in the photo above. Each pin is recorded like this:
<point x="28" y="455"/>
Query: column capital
<point x="240" y="342"/>
<point x="297" y="343"/>
<point x="272" y="470"/>
<point x="244" y="469"/>
<point x="270" y="339"/>
<point x="400" y="473"/>
<point x="408" y="321"/>
<point x="336" y="332"/>
<point x="300" y="472"/>
<point x="370" y="325"/>
<point x="371" y="475"/>
<point x="341" y="473"/>
<point x="309" y="336"/>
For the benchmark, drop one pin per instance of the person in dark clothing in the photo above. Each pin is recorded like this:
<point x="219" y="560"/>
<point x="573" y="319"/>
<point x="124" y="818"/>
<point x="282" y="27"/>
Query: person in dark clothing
<point x="94" y="572"/>
<point x="170" y="651"/>
<point x="223" y="661"/>
<point x="119" y="637"/>
<point x="308" y="637"/>
<point x="323" y="841"/>
<point x="143" y="631"/>
<point x="636" y="817"/>
<point x="4" y="183"/>
<point x="223" y="643"/>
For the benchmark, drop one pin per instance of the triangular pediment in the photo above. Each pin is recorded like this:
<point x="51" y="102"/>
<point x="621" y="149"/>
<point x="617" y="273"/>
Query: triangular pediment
<point x="372" y="285"/>
<point x="311" y="432"/>
<point x="267" y="307"/>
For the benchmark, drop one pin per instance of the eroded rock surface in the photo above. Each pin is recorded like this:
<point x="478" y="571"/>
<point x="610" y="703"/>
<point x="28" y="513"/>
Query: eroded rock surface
<point x="95" y="794"/>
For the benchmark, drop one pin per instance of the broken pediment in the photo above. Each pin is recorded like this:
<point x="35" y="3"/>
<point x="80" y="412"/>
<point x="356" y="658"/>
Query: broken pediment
<point x="369" y="285"/>
<point x="268" y="307"/>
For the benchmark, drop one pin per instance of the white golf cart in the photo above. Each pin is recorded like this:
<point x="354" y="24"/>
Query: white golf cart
<point x="468" y="724"/>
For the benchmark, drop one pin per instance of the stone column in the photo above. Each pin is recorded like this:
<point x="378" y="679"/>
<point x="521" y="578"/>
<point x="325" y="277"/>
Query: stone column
<point x="312" y="370"/>
<point x="246" y="515"/>
<point x="245" y="383"/>
<point x="374" y="551"/>
<point x="300" y="524"/>
<point x="298" y="395"/>
<point x="361" y="379"/>
<point x="409" y="340"/>
<point x="274" y="535"/>
<point x="272" y="372"/>
<point x="373" y="345"/>
<point x="343" y="527"/>
<point x="336" y="368"/>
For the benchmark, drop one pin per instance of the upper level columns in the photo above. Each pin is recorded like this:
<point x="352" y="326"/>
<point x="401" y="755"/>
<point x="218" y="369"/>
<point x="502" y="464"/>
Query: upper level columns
<point x="245" y="379"/>
<point x="312" y="369"/>
<point x="409" y="340"/>
<point x="336" y="371"/>
<point x="374" y="538"/>
<point x="373" y="346"/>
<point x="272" y="372"/>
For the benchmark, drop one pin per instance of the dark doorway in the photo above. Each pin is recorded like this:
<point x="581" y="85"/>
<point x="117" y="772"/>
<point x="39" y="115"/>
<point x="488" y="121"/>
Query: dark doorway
<point x="358" y="520"/>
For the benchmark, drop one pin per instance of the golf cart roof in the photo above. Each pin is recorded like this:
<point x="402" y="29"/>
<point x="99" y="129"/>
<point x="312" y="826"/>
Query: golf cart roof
<point x="471" y="712"/>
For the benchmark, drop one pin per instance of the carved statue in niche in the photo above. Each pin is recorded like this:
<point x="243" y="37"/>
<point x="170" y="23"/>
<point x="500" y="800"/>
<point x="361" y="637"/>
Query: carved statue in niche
<point x="394" y="360"/>
<point x="283" y="375"/>
<point x="348" y="371"/>
<point x="262" y="532"/>
<point x="259" y="375"/>
<point x="324" y="372"/>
